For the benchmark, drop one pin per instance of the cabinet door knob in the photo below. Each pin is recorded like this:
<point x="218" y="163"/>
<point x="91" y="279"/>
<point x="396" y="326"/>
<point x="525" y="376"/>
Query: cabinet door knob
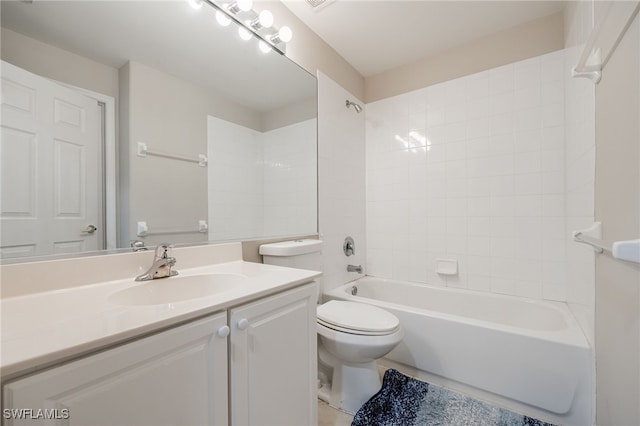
<point x="223" y="331"/>
<point x="243" y="324"/>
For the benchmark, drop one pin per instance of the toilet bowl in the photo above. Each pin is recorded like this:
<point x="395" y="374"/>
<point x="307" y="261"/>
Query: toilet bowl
<point x="352" y="337"/>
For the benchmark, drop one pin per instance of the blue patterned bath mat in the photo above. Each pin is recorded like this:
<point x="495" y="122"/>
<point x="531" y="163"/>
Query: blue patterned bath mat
<point x="404" y="401"/>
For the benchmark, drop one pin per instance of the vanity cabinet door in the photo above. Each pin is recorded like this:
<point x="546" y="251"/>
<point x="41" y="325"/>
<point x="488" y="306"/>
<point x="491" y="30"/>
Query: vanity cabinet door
<point x="176" y="377"/>
<point x="274" y="361"/>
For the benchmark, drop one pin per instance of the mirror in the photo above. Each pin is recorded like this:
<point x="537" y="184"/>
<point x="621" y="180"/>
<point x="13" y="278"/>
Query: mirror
<point x="199" y="135"/>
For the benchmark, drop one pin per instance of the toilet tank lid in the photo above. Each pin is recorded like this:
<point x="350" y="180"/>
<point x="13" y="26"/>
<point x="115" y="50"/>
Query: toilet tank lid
<point x="291" y="248"/>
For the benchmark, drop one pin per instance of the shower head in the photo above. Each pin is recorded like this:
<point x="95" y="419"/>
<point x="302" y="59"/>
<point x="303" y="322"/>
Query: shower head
<point x="357" y="107"/>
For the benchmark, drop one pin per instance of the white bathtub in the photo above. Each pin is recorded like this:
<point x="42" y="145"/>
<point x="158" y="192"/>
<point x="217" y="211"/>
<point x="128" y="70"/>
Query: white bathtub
<point x="528" y="351"/>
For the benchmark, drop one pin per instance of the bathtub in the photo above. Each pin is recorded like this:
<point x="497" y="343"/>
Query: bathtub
<point x="528" y="351"/>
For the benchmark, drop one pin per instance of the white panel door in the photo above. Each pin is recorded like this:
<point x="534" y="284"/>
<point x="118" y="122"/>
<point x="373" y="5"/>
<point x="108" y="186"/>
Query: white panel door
<point x="274" y="361"/>
<point x="177" y="377"/>
<point x="49" y="167"/>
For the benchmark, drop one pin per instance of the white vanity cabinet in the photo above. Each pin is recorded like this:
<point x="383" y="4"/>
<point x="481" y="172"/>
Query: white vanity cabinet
<point x="176" y="377"/>
<point x="273" y="361"/>
<point x="181" y="376"/>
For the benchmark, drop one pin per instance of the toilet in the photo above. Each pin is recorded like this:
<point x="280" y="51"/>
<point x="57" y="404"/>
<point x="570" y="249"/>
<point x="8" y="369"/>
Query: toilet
<point x="351" y="335"/>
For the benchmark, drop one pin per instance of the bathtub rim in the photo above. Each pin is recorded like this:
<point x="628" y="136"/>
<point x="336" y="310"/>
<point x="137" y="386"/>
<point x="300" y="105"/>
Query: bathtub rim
<point x="572" y="335"/>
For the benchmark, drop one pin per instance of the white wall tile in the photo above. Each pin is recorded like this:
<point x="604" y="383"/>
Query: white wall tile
<point x="478" y="245"/>
<point x="477" y="86"/>
<point x="501" y="123"/>
<point x="527" y="73"/>
<point x="479" y="282"/>
<point x="501" y="79"/>
<point x="528" y="141"/>
<point x="492" y="186"/>
<point x="478" y="186"/>
<point x="526" y="98"/>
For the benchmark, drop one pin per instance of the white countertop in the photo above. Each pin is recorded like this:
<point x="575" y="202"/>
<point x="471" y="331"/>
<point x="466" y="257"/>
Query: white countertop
<point x="45" y="328"/>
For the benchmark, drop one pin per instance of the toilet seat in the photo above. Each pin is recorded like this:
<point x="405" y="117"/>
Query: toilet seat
<point x="357" y="318"/>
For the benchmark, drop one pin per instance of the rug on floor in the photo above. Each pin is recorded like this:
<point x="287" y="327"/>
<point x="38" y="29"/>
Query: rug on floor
<point x="405" y="401"/>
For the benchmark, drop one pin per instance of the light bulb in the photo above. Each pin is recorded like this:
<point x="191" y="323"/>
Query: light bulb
<point x="244" y="5"/>
<point x="196" y="4"/>
<point x="264" y="47"/>
<point x="265" y="18"/>
<point x="222" y="18"/>
<point x="285" y="34"/>
<point x="240" y="5"/>
<point x="244" y="33"/>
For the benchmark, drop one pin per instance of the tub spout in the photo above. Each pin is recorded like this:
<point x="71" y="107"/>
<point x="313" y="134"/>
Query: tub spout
<point x="354" y="268"/>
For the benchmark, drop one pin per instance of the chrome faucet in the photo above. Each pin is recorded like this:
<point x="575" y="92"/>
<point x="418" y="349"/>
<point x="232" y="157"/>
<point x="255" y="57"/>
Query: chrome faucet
<point x="137" y="245"/>
<point x="161" y="266"/>
<point x="354" y="268"/>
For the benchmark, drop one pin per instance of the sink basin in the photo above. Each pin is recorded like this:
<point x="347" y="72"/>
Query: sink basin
<point x="177" y="289"/>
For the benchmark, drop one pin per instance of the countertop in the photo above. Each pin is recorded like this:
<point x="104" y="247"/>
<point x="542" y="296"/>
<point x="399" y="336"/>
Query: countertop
<point x="42" y="329"/>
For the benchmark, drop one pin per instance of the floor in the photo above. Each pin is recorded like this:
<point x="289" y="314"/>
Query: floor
<point x="329" y="416"/>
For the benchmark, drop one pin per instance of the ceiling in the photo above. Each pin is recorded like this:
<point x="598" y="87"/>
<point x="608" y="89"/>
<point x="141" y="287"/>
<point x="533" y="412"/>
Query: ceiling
<point x="377" y="35"/>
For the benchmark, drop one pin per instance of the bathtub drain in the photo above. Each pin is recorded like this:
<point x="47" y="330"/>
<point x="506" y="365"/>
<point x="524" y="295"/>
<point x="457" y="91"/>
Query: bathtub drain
<point x="354" y="290"/>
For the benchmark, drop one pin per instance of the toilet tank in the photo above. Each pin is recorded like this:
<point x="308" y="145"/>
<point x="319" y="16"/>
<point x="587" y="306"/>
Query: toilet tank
<point x="301" y="254"/>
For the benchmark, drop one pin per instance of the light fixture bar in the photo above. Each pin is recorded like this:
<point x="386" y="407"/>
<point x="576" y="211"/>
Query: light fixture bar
<point x="272" y="39"/>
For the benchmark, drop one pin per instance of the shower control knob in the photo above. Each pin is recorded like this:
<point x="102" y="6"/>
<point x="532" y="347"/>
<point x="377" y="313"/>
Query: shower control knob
<point x="349" y="246"/>
<point x="223" y="331"/>
<point x="243" y="324"/>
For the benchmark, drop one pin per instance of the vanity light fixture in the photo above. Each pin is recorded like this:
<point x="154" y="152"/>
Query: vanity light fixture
<point x="196" y="4"/>
<point x="250" y="23"/>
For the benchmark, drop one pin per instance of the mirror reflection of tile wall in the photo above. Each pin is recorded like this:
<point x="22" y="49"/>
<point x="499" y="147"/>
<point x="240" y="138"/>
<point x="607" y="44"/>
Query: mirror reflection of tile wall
<point x="261" y="184"/>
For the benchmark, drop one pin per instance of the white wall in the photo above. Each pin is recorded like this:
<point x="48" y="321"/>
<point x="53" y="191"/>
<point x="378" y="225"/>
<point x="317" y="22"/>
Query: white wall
<point x="472" y="169"/>
<point x="341" y="180"/>
<point x="169" y="115"/>
<point x="617" y="195"/>
<point x="617" y="205"/>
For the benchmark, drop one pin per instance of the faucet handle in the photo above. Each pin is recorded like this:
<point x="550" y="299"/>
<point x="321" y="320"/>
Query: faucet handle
<point x="163" y="250"/>
<point x="349" y="246"/>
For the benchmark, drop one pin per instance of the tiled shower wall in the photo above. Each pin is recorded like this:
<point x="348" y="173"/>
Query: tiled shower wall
<point x="473" y="170"/>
